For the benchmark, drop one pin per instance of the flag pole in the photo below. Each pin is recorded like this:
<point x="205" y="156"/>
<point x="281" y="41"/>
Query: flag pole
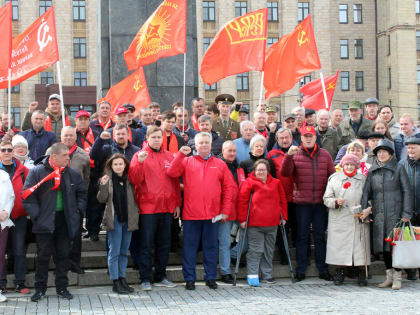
<point x="9" y="99"/>
<point x="183" y="93"/>
<point x="60" y="88"/>
<point x="261" y="88"/>
<point x="324" y="91"/>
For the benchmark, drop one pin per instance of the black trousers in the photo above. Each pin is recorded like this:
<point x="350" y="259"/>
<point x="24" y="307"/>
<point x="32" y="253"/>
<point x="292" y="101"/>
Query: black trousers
<point x="47" y="244"/>
<point x="76" y="250"/>
<point x="94" y="209"/>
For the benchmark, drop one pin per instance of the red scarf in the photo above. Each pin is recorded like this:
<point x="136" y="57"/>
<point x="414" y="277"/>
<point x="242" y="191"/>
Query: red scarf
<point x="263" y="133"/>
<point x="106" y="125"/>
<point x="72" y="149"/>
<point x="371" y="118"/>
<point x="56" y="175"/>
<point x="85" y="144"/>
<point x="194" y="121"/>
<point x="313" y="152"/>
<point x="173" y="143"/>
<point x="350" y="174"/>
<point x="48" y="123"/>
<point x="130" y="134"/>
<point x="185" y="127"/>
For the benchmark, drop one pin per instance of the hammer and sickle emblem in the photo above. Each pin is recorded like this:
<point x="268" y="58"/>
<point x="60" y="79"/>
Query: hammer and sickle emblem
<point x="331" y="86"/>
<point x="302" y="40"/>
<point x="45" y="38"/>
<point x="137" y="85"/>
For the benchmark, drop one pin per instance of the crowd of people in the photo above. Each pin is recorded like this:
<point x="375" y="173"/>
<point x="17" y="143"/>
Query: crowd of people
<point x="145" y="179"/>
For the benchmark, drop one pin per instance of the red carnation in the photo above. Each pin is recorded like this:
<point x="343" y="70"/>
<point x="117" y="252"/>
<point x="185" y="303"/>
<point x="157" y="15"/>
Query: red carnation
<point x="393" y="243"/>
<point x="346" y="185"/>
<point x="388" y="239"/>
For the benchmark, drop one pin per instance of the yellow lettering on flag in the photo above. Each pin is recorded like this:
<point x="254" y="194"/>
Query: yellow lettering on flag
<point x="247" y="28"/>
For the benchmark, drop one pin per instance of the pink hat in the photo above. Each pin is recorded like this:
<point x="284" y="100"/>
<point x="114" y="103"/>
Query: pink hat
<point x="350" y="159"/>
<point x="121" y="110"/>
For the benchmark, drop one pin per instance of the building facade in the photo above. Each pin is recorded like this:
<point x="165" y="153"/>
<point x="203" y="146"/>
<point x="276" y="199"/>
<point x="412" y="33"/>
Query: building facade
<point x="76" y="25"/>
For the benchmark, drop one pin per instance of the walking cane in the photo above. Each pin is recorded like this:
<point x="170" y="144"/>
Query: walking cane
<point x="364" y="247"/>
<point x="286" y="248"/>
<point x="242" y="241"/>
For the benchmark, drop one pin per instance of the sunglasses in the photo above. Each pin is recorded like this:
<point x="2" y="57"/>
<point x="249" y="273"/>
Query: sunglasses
<point x="6" y="150"/>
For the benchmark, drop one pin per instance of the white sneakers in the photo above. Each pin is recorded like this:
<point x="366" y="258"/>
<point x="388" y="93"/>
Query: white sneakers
<point x="2" y="298"/>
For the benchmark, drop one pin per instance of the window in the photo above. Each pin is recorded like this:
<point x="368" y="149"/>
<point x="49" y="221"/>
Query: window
<point x="273" y="11"/>
<point x="15" y="112"/>
<point x="358" y="48"/>
<point x="345" y="109"/>
<point x="417" y="6"/>
<point x="345" y="83"/>
<point x="306" y="79"/>
<point x="79" y="10"/>
<point x="359" y="81"/>
<point x="44" y="6"/>
<point x="242" y="82"/>
<point x="206" y="43"/>
<point x="47" y="78"/>
<point x="342" y="14"/>
<point x="418" y="74"/>
<point x="79" y="47"/>
<point x="344" y="48"/>
<point x="357" y="14"/>
<point x="390" y="76"/>
<point x="212" y="87"/>
<point x="303" y="10"/>
<point x="271" y="41"/>
<point x="15" y="89"/>
<point x="241" y="8"/>
<point x="418" y="40"/>
<point x="209" y="11"/>
<point x="388" y="38"/>
<point x="15" y="9"/>
<point x="80" y="78"/>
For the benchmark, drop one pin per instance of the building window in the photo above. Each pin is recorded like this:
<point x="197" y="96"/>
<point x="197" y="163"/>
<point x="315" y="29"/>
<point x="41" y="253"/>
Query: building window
<point x="242" y="82"/>
<point x="306" y="79"/>
<point x="418" y="40"/>
<point x="209" y="11"/>
<point x="273" y="11"/>
<point x="357" y="14"/>
<point x="303" y="10"/>
<point x="390" y="77"/>
<point x="47" y="78"/>
<point x="79" y="10"/>
<point x="80" y="78"/>
<point x="358" y="48"/>
<point x="15" y="89"/>
<point x="44" y="6"/>
<point x="241" y="8"/>
<point x="271" y="41"/>
<point x="345" y="82"/>
<point x="418" y="74"/>
<point x="388" y="40"/>
<point x="79" y="47"/>
<point x="212" y="87"/>
<point x="206" y="42"/>
<point x="345" y="109"/>
<point x="359" y="81"/>
<point x="344" y="48"/>
<point x="342" y="14"/>
<point x="15" y="112"/>
<point x="15" y="9"/>
<point x="417" y="6"/>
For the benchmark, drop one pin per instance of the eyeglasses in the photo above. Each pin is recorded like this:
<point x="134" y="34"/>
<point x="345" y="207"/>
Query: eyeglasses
<point x="6" y="150"/>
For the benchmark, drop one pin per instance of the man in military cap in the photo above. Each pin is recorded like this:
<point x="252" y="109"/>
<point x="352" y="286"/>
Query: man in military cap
<point x="272" y="118"/>
<point x="354" y="124"/>
<point x="224" y="126"/>
<point x="371" y="108"/>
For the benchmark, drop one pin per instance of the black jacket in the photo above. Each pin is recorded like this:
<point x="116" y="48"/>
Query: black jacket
<point x="216" y="144"/>
<point x="247" y="165"/>
<point x="41" y="204"/>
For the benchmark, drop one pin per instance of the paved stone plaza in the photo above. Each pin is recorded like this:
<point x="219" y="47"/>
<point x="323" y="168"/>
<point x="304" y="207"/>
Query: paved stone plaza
<point x="311" y="296"/>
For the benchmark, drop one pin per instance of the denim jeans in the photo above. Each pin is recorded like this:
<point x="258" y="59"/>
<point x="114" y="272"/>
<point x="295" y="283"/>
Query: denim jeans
<point x="224" y="247"/>
<point x="118" y="242"/>
<point x="235" y="249"/>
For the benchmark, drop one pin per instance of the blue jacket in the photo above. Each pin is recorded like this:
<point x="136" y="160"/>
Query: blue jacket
<point x="242" y="149"/>
<point x="412" y="168"/>
<point x="97" y="128"/>
<point x="190" y="132"/>
<point x="38" y="143"/>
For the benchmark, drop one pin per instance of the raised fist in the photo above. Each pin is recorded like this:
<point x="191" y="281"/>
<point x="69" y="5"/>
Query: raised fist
<point x="293" y="150"/>
<point x="105" y="135"/>
<point x="33" y="106"/>
<point x="142" y="156"/>
<point x="104" y="179"/>
<point x="185" y="149"/>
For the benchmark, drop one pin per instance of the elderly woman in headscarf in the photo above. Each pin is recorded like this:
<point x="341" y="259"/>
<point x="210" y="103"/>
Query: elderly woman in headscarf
<point x="388" y="191"/>
<point x="348" y="238"/>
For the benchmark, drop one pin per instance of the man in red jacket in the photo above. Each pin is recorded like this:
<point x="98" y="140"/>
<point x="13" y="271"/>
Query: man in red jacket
<point x="207" y="194"/>
<point x="310" y="166"/>
<point x="17" y="247"/>
<point x="158" y="197"/>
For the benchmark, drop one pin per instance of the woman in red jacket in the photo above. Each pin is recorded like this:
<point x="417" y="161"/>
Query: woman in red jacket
<point x="267" y="205"/>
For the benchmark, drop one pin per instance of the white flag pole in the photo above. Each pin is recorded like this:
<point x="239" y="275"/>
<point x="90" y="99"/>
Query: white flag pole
<point x="9" y="99"/>
<point x="261" y="88"/>
<point x="60" y="88"/>
<point x="183" y="93"/>
<point x="323" y="89"/>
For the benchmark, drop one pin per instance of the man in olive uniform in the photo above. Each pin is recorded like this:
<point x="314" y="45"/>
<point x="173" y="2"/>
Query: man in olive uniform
<point x="354" y="124"/>
<point x="224" y="126"/>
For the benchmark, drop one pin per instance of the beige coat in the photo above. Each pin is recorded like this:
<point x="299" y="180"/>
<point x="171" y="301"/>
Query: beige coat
<point x="345" y="233"/>
<point x="105" y="195"/>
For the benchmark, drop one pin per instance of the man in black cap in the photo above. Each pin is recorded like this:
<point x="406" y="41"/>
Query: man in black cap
<point x="243" y="114"/>
<point x="373" y="139"/>
<point x="371" y="108"/>
<point x="290" y="122"/>
<point x="224" y="126"/>
<point x="131" y="122"/>
<point x="310" y="117"/>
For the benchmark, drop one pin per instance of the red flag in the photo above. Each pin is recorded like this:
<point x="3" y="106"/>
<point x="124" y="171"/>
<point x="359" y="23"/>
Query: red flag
<point x="290" y="59"/>
<point x="314" y="96"/>
<point x="238" y="47"/>
<point x="133" y="90"/>
<point x="162" y="35"/>
<point x="34" y="50"/>
<point x="5" y="37"/>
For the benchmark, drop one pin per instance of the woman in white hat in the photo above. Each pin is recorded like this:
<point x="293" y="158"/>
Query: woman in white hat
<point x="21" y="152"/>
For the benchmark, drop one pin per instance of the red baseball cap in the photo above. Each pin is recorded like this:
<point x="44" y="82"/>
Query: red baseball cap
<point x="307" y="130"/>
<point x="121" y="110"/>
<point x="82" y="113"/>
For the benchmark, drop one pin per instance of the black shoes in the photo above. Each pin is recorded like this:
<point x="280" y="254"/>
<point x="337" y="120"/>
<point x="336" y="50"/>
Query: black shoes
<point x="339" y="276"/>
<point x="325" y="276"/>
<point x="227" y="279"/>
<point x="411" y="274"/>
<point x="117" y="287"/>
<point x="38" y="295"/>
<point x="211" y="284"/>
<point x="76" y="269"/>
<point x="125" y="285"/>
<point x="190" y="285"/>
<point x="94" y="237"/>
<point x="64" y="293"/>
<point x="361" y="279"/>
<point x="300" y="277"/>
